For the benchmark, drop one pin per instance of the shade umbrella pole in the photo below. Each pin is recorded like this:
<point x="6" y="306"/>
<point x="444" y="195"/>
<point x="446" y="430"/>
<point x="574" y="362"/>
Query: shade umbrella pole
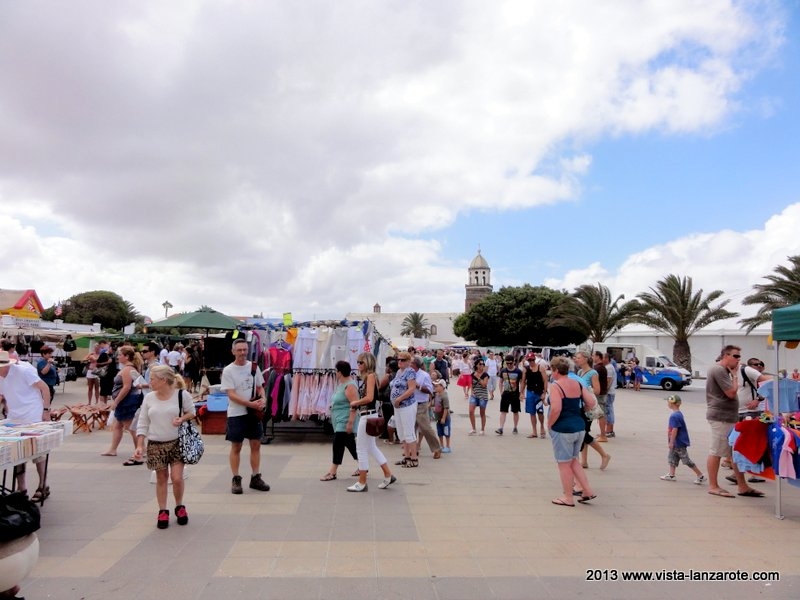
<point x="776" y="405"/>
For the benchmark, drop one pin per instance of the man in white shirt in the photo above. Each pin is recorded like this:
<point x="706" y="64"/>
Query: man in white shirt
<point x="491" y="371"/>
<point x="611" y="395"/>
<point x="27" y="399"/>
<point x="162" y="356"/>
<point x="175" y="358"/>
<point x="422" y="394"/>
<point x="751" y="404"/>
<point x="244" y="384"/>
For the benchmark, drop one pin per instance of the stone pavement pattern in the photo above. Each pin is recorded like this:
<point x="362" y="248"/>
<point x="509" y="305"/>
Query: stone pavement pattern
<point x="477" y="524"/>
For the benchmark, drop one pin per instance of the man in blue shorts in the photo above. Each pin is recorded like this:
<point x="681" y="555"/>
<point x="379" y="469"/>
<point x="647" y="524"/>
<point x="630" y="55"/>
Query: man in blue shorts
<point x="244" y="383"/>
<point x="534" y="382"/>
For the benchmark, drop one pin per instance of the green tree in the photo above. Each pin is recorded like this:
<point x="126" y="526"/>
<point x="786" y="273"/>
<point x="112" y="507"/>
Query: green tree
<point x="673" y="308"/>
<point x="782" y="290"/>
<point x="416" y="325"/>
<point x="515" y="316"/>
<point x="100" y="306"/>
<point x="590" y="310"/>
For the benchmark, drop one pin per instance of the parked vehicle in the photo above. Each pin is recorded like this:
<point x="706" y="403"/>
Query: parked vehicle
<point x="659" y="370"/>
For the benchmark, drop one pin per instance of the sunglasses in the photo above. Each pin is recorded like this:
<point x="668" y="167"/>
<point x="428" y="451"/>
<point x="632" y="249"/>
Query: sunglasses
<point x="360" y="362"/>
<point x="736" y="356"/>
<point x="758" y="364"/>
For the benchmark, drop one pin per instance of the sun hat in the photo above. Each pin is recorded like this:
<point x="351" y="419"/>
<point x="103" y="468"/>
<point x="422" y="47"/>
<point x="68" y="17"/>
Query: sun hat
<point x="5" y="358"/>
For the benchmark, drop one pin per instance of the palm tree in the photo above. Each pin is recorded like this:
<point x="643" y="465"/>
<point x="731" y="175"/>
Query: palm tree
<point x="591" y="311"/>
<point x="673" y="308"/>
<point x="782" y="290"/>
<point x="167" y="305"/>
<point x="415" y="325"/>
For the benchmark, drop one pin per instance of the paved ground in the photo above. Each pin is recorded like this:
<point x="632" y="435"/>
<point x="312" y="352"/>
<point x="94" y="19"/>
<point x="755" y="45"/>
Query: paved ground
<point x="477" y="524"/>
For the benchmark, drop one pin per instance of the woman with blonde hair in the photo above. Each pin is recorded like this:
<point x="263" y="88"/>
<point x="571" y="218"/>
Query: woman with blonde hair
<point x="125" y="400"/>
<point x="163" y="411"/>
<point x="366" y="405"/>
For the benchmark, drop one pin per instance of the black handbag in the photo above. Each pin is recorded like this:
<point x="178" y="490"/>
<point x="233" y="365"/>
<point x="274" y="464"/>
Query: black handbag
<point x="18" y="516"/>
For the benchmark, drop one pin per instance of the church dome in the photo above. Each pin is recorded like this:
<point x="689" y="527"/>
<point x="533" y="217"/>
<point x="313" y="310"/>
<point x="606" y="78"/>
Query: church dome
<point x="479" y="262"/>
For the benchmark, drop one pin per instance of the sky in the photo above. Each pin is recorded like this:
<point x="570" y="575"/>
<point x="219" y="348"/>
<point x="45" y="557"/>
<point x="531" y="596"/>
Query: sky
<point x="314" y="157"/>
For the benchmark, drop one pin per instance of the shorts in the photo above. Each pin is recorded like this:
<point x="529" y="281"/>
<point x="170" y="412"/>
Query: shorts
<point x="509" y="400"/>
<point x="533" y="403"/>
<point x="719" y="439"/>
<point x="160" y="455"/>
<point x="473" y="401"/>
<point x="675" y="455"/>
<point x="443" y="430"/>
<point x="566" y="446"/>
<point x="492" y="383"/>
<point x="601" y="400"/>
<point x="243" y="427"/>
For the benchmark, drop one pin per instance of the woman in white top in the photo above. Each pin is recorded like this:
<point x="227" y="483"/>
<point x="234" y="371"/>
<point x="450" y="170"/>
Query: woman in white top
<point x="159" y="419"/>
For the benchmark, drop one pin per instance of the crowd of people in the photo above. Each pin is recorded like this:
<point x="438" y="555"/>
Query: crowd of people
<point x="148" y="390"/>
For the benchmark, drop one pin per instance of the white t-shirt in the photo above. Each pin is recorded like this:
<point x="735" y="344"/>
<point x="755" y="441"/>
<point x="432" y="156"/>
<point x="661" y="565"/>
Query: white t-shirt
<point x="491" y="366"/>
<point x="25" y="402"/>
<point x="162" y="356"/>
<point x="745" y="393"/>
<point x="155" y="416"/>
<point x="238" y="379"/>
<point x="174" y="358"/>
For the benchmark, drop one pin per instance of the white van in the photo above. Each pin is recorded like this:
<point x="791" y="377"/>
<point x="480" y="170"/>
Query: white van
<point x="659" y="370"/>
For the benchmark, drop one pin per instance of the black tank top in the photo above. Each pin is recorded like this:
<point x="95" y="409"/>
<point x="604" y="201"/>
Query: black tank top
<point x="534" y="381"/>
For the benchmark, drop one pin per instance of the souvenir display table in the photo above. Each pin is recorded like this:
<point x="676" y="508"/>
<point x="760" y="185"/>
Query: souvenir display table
<point x="22" y="443"/>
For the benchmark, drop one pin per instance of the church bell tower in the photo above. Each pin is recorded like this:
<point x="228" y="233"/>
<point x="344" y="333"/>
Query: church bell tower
<point x="479" y="284"/>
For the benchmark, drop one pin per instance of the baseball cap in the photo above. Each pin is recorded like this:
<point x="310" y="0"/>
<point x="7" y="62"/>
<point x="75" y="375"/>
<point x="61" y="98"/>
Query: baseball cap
<point x="530" y="356"/>
<point x="673" y="399"/>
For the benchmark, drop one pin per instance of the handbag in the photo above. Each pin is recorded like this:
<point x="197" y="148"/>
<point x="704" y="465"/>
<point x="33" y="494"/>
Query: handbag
<point x="19" y="516"/>
<point x="190" y="441"/>
<point x="375" y="426"/>
<point x="257" y="413"/>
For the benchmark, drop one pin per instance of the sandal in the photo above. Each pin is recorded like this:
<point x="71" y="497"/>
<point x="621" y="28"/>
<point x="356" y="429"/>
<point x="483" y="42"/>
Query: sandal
<point x="401" y="462"/>
<point x="328" y="477"/>
<point x="40" y="494"/>
<point x="132" y="462"/>
<point x="411" y="463"/>
<point x="356" y="473"/>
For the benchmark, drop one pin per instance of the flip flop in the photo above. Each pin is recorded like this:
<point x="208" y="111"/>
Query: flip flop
<point x="132" y="462"/>
<point x="560" y="502"/>
<point x="721" y="493"/>
<point x="585" y="499"/>
<point x="107" y="454"/>
<point x="328" y="477"/>
<point x="752" y="494"/>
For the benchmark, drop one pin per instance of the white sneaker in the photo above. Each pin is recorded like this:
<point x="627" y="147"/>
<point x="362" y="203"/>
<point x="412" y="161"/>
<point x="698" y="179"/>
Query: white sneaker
<point x="357" y="487"/>
<point x="667" y="477"/>
<point x="482" y="433"/>
<point x="473" y="432"/>
<point x="700" y="480"/>
<point x="387" y="482"/>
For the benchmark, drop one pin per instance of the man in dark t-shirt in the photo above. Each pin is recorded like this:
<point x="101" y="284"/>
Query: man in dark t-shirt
<point x="510" y="378"/>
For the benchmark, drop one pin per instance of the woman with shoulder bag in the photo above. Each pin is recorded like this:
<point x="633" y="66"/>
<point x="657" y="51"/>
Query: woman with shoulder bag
<point x="163" y="411"/>
<point x="366" y="406"/>
<point x="125" y="400"/>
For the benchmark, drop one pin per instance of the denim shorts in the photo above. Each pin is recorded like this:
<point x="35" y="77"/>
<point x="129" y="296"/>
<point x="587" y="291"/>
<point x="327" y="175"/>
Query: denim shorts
<point x="443" y="430"/>
<point x="566" y="446"/>
<point x="473" y="401"/>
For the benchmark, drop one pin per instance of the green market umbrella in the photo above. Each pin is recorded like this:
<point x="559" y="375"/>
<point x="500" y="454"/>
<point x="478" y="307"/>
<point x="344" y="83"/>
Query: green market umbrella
<point x="201" y="319"/>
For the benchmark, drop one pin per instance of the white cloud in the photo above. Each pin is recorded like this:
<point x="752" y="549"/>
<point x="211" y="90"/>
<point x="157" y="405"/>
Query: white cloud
<point x="270" y="156"/>
<point x="731" y="261"/>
